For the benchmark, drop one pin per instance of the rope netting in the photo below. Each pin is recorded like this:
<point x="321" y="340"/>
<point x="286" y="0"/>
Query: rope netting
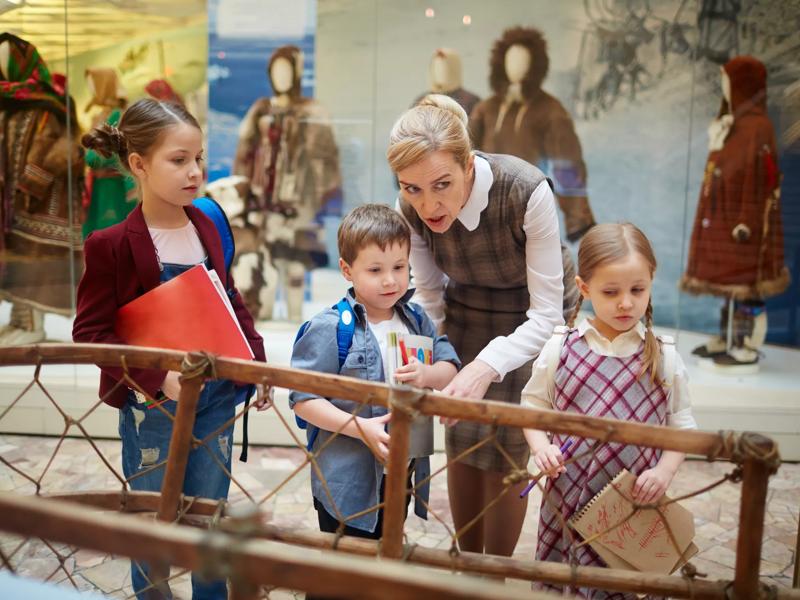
<point x="213" y="513"/>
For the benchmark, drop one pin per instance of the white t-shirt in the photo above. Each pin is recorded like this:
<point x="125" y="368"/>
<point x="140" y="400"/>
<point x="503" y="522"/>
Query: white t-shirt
<point x="180" y="246"/>
<point x="380" y="330"/>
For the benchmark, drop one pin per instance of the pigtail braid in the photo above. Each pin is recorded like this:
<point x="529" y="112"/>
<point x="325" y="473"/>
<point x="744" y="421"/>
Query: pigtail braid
<point x="652" y="350"/>
<point x="575" y="311"/>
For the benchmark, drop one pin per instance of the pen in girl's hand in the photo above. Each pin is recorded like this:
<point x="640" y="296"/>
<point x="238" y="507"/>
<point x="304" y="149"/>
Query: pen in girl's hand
<point x="564" y="447"/>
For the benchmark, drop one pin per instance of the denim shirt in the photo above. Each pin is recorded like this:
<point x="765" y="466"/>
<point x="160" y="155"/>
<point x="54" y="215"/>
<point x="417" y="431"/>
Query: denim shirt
<point x="352" y="472"/>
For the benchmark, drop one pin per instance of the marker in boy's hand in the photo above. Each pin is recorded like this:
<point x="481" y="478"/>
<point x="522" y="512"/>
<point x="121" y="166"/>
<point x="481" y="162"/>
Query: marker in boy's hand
<point x="403" y="351"/>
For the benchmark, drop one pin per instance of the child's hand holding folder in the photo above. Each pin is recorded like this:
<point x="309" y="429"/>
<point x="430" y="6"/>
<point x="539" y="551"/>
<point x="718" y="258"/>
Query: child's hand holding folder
<point x="413" y="373"/>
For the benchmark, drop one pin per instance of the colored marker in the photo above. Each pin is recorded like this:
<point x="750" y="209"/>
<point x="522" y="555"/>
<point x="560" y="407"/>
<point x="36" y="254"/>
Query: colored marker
<point x="564" y="447"/>
<point x="403" y="352"/>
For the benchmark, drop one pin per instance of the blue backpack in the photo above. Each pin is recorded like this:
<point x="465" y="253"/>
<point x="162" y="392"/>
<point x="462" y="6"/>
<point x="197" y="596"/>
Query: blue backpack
<point x="345" y="330"/>
<point x="214" y="211"/>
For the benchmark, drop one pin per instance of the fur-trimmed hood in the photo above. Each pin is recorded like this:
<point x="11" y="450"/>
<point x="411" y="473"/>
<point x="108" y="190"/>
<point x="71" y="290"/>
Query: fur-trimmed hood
<point x="534" y="41"/>
<point x="295" y="57"/>
<point x="748" y="77"/>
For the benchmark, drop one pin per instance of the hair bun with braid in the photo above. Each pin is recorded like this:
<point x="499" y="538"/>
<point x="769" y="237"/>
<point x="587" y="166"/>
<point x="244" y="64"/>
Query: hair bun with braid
<point x="106" y="140"/>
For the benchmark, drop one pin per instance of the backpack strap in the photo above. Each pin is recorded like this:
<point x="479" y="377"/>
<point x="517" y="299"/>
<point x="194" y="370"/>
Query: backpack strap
<point x="561" y="331"/>
<point x="417" y="312"/>
<point x="210" y="208"/>
<point x="345" y="330"/>
<point x="669" y="358"/>
<point x="214" y="211"/>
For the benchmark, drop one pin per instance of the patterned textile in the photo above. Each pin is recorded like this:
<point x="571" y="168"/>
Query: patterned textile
<point x="591" y="384"/>
<point x="487" y="295"/>
<point x="27" y="78"/>
<point x="40" y="239"/>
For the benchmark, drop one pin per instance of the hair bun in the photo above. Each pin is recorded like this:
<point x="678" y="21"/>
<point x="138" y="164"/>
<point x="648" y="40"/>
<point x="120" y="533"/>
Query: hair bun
<point x="107" y="140"/>
<point x="446" y="103"/>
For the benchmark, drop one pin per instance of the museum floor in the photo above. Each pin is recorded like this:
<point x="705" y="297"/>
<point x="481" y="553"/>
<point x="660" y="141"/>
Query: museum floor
<point x="76" y="467"/>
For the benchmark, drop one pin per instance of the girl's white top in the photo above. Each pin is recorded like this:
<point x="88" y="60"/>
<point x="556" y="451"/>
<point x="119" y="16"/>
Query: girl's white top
<point x="180" y="246"/>
<point x="540" y="390"/>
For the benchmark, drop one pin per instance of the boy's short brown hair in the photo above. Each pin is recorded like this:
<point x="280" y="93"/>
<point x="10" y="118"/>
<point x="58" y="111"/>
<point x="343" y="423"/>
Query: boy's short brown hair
<point x="371" y="224"/>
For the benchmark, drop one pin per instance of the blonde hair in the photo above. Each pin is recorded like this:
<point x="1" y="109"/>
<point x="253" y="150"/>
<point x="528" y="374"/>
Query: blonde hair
<point x="608" y="243"/>
<point x="436" y="123"/>
<point x="371" y="224"/>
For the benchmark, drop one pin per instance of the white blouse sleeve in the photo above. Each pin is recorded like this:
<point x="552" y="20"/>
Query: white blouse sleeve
<point x="427" y="278"/>
<point x="545" y="272"/>
<point x="679" y="411"/>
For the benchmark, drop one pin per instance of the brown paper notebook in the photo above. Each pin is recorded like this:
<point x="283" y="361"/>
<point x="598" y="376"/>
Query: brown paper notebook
<point x="642" y="543"/>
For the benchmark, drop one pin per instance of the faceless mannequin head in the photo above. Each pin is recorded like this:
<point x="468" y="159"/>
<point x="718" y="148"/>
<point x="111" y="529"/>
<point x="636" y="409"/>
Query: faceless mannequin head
<point x="106" y="88"/>
<point x="517" y="63"/>
<point x="282" y="74"/>
<point x="4" y="54"/>
<point x="511" y="66"/>
<point x="284" y="71"/>
<point x="445" y="71"/>
<point x="439" y="71"/>
<point x="726" y="86"/>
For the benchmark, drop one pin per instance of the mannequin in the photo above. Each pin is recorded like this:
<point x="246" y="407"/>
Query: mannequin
<point x="161" y="90"/>
<point x="444" y="77"/>
<point x="110" y="194"/>
<point x="523" y="120"/>
<point x="736" y="248"/>
<point x="40" y="241"/>
<point x="288" y="155"/>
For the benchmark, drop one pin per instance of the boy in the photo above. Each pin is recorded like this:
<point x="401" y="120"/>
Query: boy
<point x="374" y="243"/>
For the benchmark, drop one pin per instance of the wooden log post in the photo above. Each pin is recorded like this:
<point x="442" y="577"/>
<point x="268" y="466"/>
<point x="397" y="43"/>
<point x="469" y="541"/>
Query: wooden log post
<point x="758" y="464"/>
<point x="401" y="401"/>
<point x="193" y="370"/>
<point x="796" y="577"/>
<point x="244" y="523"/>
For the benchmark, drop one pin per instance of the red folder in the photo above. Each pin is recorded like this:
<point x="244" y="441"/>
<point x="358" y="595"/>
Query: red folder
<point x="188" y="312"/>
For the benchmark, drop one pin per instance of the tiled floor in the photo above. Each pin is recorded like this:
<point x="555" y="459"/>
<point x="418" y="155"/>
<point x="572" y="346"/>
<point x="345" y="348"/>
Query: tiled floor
<point x="76" y="466"/>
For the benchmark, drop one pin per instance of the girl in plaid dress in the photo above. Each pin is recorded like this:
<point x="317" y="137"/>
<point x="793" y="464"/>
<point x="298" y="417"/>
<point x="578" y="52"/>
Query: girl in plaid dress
<point x="610" y="365"/>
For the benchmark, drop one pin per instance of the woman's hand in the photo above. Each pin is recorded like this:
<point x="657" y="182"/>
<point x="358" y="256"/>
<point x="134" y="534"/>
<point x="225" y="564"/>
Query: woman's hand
<point x="471" y="382"/>
<point x="265" y="396"/>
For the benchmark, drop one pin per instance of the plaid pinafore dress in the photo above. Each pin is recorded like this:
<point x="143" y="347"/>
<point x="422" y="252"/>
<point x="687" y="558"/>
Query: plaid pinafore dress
<point x="590" y="383"/>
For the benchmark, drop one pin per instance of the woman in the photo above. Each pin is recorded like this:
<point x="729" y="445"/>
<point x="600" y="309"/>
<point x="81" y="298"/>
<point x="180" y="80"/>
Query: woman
<point x="490" y="269"/>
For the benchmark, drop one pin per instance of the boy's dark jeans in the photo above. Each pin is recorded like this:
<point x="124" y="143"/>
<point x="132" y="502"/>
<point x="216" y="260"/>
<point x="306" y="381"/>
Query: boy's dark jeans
<point x="330" y="524"/>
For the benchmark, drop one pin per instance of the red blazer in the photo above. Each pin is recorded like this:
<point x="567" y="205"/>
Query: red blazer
<point x="121" y="265"/>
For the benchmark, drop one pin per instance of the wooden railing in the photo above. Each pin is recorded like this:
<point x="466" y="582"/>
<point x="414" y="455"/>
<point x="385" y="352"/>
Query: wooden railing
<point x="249" y="552"/>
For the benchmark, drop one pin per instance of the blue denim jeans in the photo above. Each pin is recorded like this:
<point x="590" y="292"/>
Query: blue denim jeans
<point x="145" y="434"/>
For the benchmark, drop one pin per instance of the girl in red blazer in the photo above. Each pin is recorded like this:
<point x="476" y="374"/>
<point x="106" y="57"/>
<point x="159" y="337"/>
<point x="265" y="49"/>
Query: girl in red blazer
<point x="161" y="145"/>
